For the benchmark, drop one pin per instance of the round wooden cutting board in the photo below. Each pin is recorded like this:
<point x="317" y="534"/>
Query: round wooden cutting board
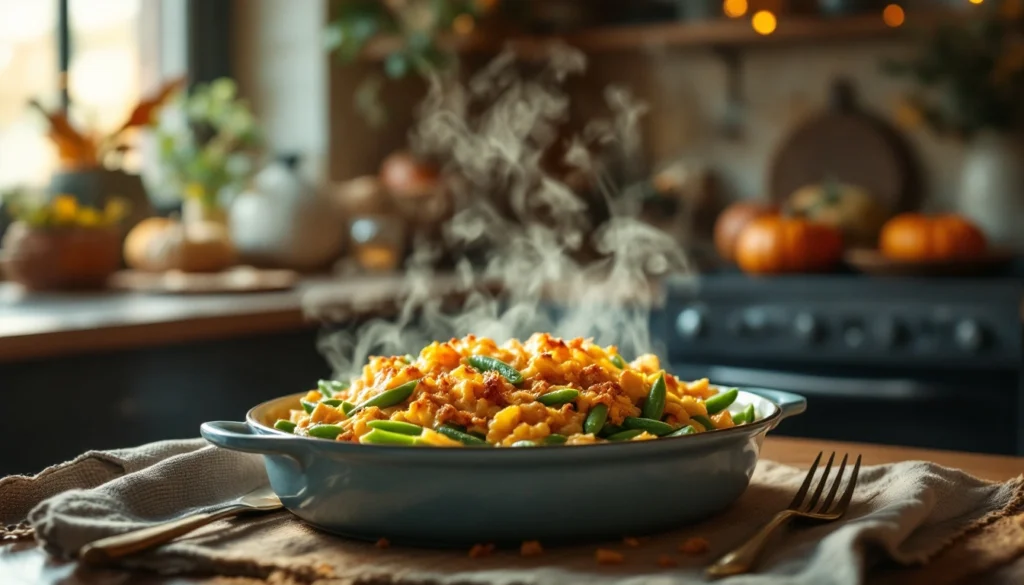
<point x="848" y="145"/>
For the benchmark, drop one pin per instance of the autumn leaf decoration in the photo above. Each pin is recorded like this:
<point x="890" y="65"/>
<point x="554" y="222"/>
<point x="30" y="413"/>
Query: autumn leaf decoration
<point x="78" y="150"/>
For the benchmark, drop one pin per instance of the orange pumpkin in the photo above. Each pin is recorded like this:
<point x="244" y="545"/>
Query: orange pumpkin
<point x="917" y="237"/>
<point x="779" y="244"/>
<point x="733" y="220"/>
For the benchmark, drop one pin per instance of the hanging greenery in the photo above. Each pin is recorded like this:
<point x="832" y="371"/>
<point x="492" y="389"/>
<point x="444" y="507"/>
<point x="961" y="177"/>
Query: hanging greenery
<point x="417" y="25"/>
<point x="970" y="75"/>
<point x="418" y="29"/>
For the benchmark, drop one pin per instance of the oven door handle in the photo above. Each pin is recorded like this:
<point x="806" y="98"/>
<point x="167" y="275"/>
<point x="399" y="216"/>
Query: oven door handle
<point x="889" y="389"/>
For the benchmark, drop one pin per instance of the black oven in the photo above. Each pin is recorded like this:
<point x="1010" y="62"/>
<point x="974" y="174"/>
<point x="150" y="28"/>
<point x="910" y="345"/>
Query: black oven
<point x="928" y="363"/>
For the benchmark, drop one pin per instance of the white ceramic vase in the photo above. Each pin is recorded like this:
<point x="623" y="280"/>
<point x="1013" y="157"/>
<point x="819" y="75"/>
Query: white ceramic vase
<point x="992" y="187"/>
<point x="283" y="222"/>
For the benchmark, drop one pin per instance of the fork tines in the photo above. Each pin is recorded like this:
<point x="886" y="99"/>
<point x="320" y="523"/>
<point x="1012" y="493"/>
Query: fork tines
<point x="811" y="506"/>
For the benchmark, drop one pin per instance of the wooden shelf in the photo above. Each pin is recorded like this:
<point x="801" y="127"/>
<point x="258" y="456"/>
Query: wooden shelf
<point x="652" y="37"/>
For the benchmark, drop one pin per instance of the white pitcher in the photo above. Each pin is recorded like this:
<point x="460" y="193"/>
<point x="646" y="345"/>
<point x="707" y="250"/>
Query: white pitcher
<point x="284" y="222"/>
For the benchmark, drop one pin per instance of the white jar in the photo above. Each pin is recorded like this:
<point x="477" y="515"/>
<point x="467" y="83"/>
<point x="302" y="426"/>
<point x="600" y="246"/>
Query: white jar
<point x="283" y="222"/>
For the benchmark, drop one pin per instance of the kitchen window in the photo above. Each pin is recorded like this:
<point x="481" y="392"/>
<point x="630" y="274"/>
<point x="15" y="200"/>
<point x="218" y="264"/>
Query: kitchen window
<point x="98" y="55"/>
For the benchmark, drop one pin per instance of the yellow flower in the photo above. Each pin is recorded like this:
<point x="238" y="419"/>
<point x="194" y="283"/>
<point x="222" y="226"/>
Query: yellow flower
<point x="115" y="210"/>
<point x="195" y="190"/>
<point x="64" y="207"/>
<point x="88" y="217"/>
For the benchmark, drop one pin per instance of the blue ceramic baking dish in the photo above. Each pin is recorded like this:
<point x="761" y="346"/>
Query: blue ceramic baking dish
<point x="458" y="496"/>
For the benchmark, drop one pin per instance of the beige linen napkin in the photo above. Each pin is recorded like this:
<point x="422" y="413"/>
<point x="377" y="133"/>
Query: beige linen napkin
<point x="903" y="513"/>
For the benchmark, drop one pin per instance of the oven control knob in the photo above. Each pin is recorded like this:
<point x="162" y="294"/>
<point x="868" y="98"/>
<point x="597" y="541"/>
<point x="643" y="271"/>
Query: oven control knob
<point x="890" y="332"/>
<point x="970" y="335"/>
<point x="807" y="328"/>
<point x="691" y="323"/>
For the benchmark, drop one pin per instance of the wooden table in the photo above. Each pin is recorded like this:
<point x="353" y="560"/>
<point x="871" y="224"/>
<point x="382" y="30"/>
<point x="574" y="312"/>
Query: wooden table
<point x="26" y="563"/>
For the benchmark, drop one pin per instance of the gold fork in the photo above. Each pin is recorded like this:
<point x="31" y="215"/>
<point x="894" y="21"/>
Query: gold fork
<point x="742" y="559"/>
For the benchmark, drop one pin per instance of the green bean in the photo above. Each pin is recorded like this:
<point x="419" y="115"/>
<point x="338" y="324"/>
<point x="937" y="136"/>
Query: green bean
<point x="329" y="387"/>
<point x="395" y="426"/>
<point x="347" y="407"/>
<point x="464" y="438"/>
<point x="687" y="430"/>
<point x="478" y="435"/>
<point x="455" y="426"/>
<point x="655" y="427"/>
<point x="325" y="431"/>
<point x="618" y="361"/>
<point x="721" y="401"/>
<point x="609" y="429"/>
<point x="285" y="425"/>
<point x="746" y="416"/>
<point x="558" y="397"/>
<point x="654" y="406"/>
<point x="389" y="397"/>
<point x="408" y="358"/>
<point x="595" y="419"/>
<point x="335" y="402"/>
<point x="704" y="422"/>
<point x="524" y="444"/>
<point x="625" y="435"/>
<point x="555" y="439"/>
<point x="379" y="437"/>
<point x="486" y="363"/>
<point x="308" y="406"/>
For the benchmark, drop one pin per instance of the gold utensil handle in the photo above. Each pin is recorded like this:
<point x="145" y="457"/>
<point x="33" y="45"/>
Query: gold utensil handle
<point x="742" y="559"/>
<point x="113" y="547"/>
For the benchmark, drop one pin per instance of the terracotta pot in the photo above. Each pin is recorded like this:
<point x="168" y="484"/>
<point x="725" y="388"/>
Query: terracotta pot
<point x="46" y="259"/>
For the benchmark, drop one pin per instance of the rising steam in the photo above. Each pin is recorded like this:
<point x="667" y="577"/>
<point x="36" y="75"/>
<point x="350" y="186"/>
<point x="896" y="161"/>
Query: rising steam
<point x="495" y="132"/>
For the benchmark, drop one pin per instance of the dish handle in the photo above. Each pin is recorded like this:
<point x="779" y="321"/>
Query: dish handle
<point x="238" y="436"/>
<point x="789" y="404"/>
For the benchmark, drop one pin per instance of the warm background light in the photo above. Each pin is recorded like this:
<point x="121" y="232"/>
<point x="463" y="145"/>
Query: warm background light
<point x="763" y="22"/>
<point x="893" y="15"/>
<point x="734" y="8"/>
<point x="976" y="1"/>
<point x="463" y="24"/>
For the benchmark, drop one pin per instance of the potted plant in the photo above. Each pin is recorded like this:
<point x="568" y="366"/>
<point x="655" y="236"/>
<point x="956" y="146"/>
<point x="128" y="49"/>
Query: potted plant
<point x="61" y="243"/>
<point x="418" y="28"/>
<point x="971" y="86"/>
<point x="91" y="163"/>
<point x="207" y="148"/>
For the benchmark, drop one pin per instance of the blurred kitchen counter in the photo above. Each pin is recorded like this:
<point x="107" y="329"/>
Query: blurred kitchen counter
<point x="37" y="325"/>
<point x="47" y="324"/>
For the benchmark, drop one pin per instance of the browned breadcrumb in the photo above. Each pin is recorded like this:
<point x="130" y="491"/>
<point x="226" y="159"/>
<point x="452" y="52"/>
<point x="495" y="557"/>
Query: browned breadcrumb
<point x="667" y="561"/>
<point x="531" y="548"/>
<point x="481" y="550"/>
<point x="383" y="543"/>
<point x="695" y="546"/>
<point x="609" y="557"/>
<point x="631" y="542"/>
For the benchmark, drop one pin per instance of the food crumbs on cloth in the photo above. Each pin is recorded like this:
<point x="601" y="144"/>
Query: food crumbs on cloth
<point x="695" y="546"/>
<point x="480" y="550"/>
<point x="667" y="561"/>
<point x="383" y="543"/>
<point x="631" y="542"/>
<point x="609" y="557"/>
<point x="531" y="548"/>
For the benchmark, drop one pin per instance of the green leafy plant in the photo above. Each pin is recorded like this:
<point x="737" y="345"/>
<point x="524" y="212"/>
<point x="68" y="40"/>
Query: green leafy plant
<point x="417" y="29"/>
<point x="970" y="74"/>
<point x="416" y="25"/>
<point x="208" y="142"/>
